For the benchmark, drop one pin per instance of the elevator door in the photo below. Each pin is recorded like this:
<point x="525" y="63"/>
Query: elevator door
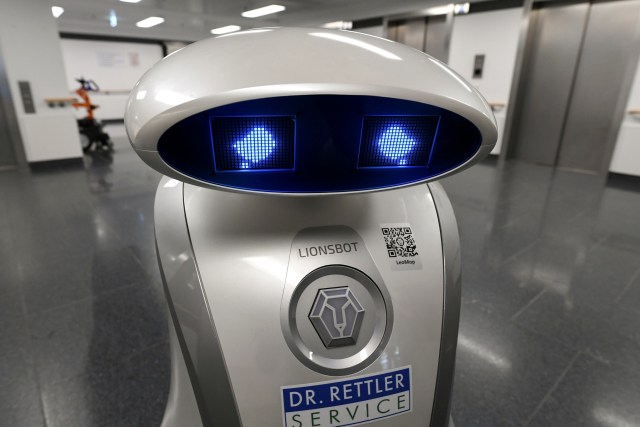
<point x="410" y="32"/>
<point x="7" y="155"/>
<point x="580" y="61"/>
<point x="7" y="158"/>
<point x="437" y="37"/>
<point x="551" y="59"/>
<point x="602" y="86"/>
<point x="429" y="34"/>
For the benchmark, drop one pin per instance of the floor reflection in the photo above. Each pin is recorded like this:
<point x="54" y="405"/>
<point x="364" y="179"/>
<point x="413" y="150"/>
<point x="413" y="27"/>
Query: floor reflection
<point x="88" y="335"/>
<point x="551" y="261"/>
<point x="99" y="170"/>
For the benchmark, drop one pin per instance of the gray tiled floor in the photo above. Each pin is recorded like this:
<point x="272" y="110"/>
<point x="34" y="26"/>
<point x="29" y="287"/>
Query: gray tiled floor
<point x="550" y="300"/>
<point x="550" y="326"/>
<point x="83" y="340"/>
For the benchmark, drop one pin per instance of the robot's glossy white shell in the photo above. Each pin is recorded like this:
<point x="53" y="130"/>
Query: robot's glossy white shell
<point x="272" y="62"/>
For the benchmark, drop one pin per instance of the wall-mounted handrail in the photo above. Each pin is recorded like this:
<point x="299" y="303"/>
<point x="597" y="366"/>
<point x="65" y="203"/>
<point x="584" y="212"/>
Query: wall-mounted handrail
<point x="495" y="106"/>
<point x="111" y="92"/>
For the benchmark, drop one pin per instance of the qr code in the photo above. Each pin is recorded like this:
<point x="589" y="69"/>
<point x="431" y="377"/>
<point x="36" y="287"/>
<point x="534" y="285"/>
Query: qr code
<point x="399" y="241"/>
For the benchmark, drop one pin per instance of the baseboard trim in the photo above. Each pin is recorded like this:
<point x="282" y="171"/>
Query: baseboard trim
<point x="623" y="181"/>
<point x="49" y="165"/>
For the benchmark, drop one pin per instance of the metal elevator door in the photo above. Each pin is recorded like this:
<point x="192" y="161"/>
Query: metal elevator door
<point x="602" y="85"/>
<point x="7" y="156"/>
<point x="8" y="159"/>
<point x="411" y="32"/>
<point x="580" y="60"/>
<point x="429" y="34"/>
<point x="552" y="56"/>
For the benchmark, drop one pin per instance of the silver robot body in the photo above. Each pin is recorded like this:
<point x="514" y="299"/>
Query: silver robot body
<point x="310" y="264"/>
<point x="232" y="264"/>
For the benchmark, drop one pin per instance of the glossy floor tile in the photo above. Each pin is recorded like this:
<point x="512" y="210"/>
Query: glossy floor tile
<point x="84" y="337"/>
<point x="550" y="320"/>
<point x="593" y="393"/>
<point x="550" y="298"/>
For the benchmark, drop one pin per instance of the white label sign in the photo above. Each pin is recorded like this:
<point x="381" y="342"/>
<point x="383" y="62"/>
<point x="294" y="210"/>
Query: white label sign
<point x="347" y="402"/>
<point x="402" y="248"/>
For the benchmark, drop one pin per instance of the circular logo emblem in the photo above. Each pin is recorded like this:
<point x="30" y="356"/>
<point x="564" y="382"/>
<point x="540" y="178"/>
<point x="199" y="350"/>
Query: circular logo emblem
<point x="337" y="320"/>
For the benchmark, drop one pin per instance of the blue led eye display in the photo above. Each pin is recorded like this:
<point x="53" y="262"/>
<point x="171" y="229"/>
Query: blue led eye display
<point x="397" y="141"/>
<point x="253" y="143"/>
<point x="255" y="147"/>
<point x="395" y="144"/>
<point x="318" y="144"/>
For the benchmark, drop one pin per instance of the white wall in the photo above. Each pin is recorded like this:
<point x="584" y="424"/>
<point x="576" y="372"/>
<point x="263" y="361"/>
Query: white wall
<point x="30" y="47"/>
<point x="493" y="34"/>
<point x="114" y="66"/>
<point x="173" y="46"/>
<point x="626" y="154"/>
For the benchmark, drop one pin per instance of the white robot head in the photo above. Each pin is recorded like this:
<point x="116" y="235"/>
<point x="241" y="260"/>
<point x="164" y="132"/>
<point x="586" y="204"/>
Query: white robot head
<point x="306" y="112"/>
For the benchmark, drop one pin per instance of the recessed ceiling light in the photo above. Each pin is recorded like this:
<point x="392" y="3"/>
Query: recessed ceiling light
<point x="150" y="22"/>
<point x="261" y="11"/>
<point x="225" y="30"/>
<point x="461" y="8"/>
<point x="130" y="1"/>
<point x="57" y="11"/>
<point x="113" y="19"/>
<point x="339" y="25"/>
<point x="440" y="10"/>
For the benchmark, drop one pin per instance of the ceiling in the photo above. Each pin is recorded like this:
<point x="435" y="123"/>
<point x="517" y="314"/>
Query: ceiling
<point x="191" y="20"/>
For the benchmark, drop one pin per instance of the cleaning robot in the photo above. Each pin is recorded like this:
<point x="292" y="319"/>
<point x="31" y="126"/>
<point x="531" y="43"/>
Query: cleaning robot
<point x="311" y="266"/>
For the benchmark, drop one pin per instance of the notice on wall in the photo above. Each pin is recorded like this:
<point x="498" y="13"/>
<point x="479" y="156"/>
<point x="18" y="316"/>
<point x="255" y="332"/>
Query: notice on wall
<point x="118" y="59"/>
<point x="134" y="59"/>
<point x="112" y="59"/>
